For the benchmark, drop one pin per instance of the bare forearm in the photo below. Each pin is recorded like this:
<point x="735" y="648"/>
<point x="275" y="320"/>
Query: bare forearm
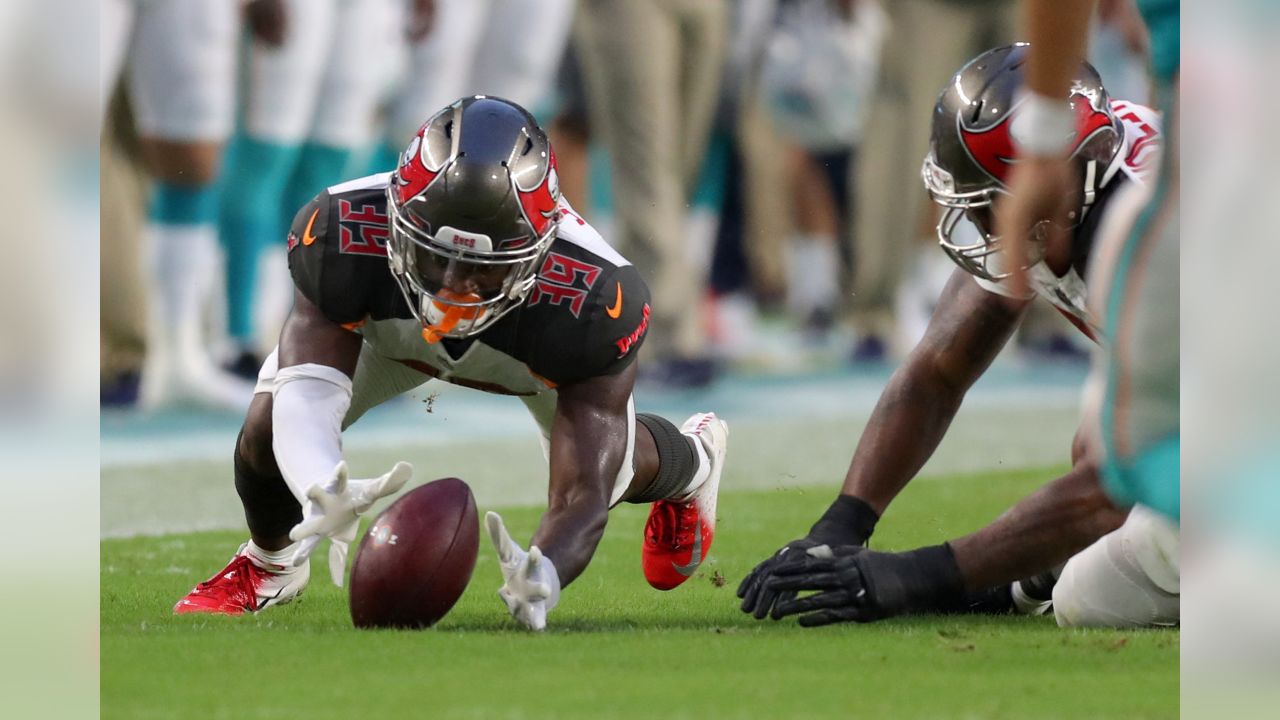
<point x="905" y="428"/>
<point x="1057" y="31"/>
<point x="588" y="445"/>
<point x="569" y="533"/>
<point x="1044" y="529"/>
<point x="965" y="334"/>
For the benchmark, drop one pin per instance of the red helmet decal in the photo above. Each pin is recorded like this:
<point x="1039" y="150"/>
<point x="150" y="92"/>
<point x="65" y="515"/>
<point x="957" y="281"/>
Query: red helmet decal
<point x="412" y="177"/>
<point x="540" y="203"/>
<point x="1089" y="119"/>
<point x="991" y="148"/>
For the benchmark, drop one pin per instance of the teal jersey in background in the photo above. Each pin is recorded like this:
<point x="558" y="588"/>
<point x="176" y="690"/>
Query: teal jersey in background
<point x="1163" y="18"/>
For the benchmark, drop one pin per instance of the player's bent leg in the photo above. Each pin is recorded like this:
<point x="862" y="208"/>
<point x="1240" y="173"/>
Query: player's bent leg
<point x="270" y="508"/>
<point x="678" y="470"/>
<point x="1130" y="578"/>
<point x="261" y="573"/>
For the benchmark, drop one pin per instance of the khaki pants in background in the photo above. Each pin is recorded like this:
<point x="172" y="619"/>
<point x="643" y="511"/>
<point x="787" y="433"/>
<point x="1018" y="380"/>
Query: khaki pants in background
<point x="653" y="72"/>
<point x="123" y="215"/>
<point x="928" y="41"/>
<point x="767" y="205"/>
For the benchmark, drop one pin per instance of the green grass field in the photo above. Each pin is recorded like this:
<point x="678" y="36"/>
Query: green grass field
<point x="615" y="647"/>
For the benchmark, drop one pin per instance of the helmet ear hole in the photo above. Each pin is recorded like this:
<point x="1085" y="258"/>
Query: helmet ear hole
<point x="977" y="112"/>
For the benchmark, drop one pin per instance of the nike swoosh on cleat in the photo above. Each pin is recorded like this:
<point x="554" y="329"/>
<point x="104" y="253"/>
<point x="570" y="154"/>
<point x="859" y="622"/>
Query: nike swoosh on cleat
<point x="694" y="560"/>
<point x="262" y="604"/>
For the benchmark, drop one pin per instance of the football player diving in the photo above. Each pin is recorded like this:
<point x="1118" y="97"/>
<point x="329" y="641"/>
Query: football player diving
<point x="1124" y="570"/>
<point x="464" y="265"/>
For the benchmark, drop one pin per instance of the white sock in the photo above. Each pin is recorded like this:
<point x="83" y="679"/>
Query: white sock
<point x="278" y="561"/>
<point x="275" y="297"/>
<point x="701" y="474"/>
<point x="812" y="274"/>
<point x="185" y="273"/>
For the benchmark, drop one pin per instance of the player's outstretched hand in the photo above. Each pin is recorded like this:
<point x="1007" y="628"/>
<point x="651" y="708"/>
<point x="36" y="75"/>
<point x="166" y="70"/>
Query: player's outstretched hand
<point x="852" y="583"/>
<point x="835" y="577"/>
<point x="849" y="521"/>
<point x="757" y="599"/>
<point x="333" y="511"/>
<point x="531" y="586"/>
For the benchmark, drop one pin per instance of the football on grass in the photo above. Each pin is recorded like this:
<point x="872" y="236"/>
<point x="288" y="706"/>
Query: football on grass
<point x="417" y="557"/>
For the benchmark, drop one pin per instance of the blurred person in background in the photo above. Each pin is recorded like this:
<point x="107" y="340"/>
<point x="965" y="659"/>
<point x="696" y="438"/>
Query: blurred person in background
<point x="123" y="188"/>
<point x="570" y="132"/>
<point x="653" y="71"/>
<point x="1120" y="47"/>
<point x="314" y="71"/>
<point x="505" y="48"/>
<point x="820" y="66"/>
<point x="747" y="273"/>
<point x="927" y="40"/>
<point x="178" y="58"/>
<point x="1230" y="390"/>
<point x="1121" y="567"/>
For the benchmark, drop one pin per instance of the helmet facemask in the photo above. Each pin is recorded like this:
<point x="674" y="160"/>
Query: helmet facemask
<point x="982" y="258"/>
<point x="452" y="290"/>
<point x="971" y="153"/>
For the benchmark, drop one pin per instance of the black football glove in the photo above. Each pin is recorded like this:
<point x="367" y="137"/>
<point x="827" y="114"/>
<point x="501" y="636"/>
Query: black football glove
<point x="849" y="521"/>
<point x="853" y="583"/>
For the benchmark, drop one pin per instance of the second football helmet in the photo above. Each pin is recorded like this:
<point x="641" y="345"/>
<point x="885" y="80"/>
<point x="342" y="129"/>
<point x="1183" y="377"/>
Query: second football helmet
<point x="971" y="151"/>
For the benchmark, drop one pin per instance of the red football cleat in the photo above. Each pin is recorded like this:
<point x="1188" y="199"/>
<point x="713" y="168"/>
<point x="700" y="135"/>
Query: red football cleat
<point x="678" y="535"/>
<point x="244" y="586"/>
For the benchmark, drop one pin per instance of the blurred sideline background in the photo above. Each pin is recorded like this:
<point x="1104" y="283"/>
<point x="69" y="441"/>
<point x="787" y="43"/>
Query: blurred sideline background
<point x="768" y="153"/>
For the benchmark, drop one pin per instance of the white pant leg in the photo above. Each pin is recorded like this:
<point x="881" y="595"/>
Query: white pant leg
<point x="284" y="82"/>
<point x="521" y="49"/>
<point x="181" y="69"/>
<point x="440" y="67"/>
<point x="362" y="58"/>
<point x="543" y="409"/>
<point x="1129" y="578"/>
<point x="377" y="380"/>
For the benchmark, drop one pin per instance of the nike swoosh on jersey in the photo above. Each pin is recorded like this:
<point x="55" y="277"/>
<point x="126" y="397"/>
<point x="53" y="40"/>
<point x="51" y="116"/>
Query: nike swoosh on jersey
<point x="695" y="559"/>
<point x="616" y="310"/>
<point x="307" y="237"/>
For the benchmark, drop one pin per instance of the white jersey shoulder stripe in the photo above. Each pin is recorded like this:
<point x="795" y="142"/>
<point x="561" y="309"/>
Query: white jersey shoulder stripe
<point x="579" y="232"/>
<point x="369" y="182"/>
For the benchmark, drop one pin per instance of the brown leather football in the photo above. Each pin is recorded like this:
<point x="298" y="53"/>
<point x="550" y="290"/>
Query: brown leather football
<point x="416" y="559"/>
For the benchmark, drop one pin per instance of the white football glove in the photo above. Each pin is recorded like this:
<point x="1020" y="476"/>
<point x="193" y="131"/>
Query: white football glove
<point x="531" y="587"/>
<point x="333" y="511"/>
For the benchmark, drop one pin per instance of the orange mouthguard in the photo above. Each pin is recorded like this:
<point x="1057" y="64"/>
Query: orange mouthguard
<point x="452" y="314"/>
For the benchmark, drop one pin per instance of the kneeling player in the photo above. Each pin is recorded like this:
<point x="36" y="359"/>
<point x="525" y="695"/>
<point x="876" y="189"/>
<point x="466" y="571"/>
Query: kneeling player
<point x="1129" y="577"/>
<point x="465" y="265"/>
